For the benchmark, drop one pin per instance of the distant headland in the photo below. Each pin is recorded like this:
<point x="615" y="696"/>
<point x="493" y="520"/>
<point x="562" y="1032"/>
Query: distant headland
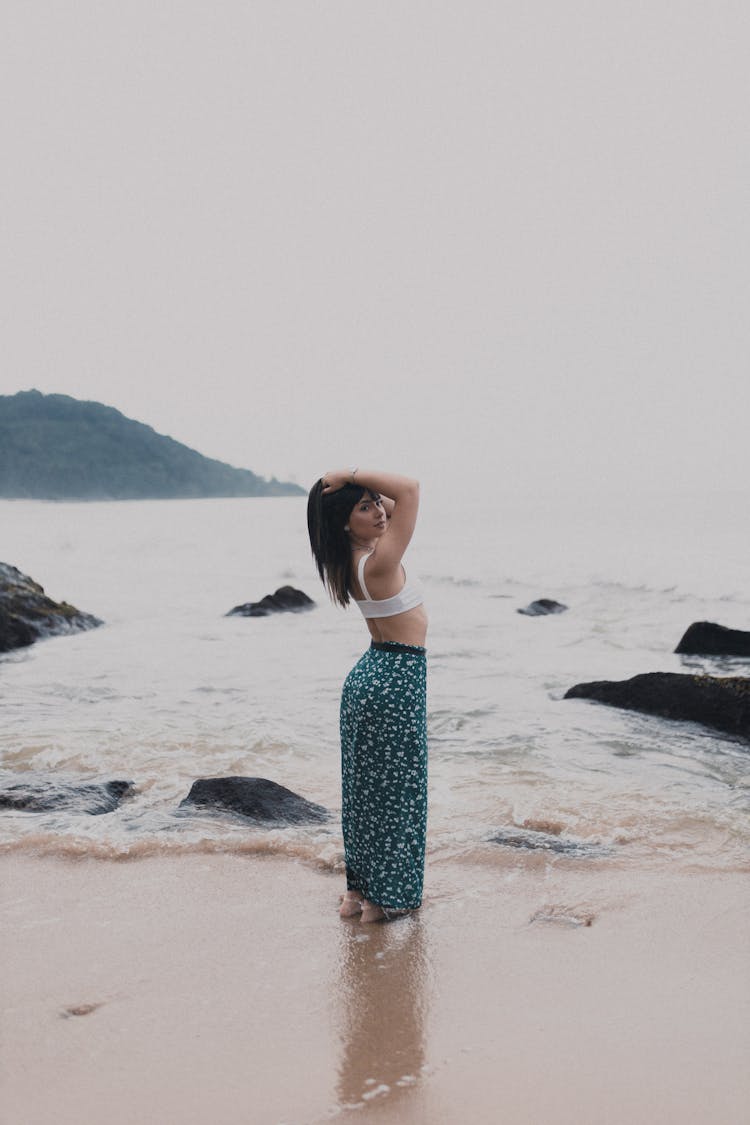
<point x="54" y="447"/>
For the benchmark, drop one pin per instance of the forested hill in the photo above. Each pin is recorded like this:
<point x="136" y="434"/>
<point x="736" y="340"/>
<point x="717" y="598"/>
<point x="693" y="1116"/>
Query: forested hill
<point x="53" y="447"/>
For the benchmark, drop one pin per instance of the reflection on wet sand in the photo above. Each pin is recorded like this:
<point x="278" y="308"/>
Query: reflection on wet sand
<point x="383" y="996"/>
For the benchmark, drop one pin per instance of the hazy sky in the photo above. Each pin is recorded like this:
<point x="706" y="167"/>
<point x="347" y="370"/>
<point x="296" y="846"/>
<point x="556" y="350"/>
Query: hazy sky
<point x="465" y="240"/>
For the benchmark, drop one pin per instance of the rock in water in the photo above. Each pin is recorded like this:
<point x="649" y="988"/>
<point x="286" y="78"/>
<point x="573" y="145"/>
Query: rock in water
<point x="704" y="638"/>
<point x="255" y="798"/>
<point x="94" y="798"/>
<point x="719" y="702"/>
<point x="541" y="607"/>
<point x="26" y="613"/>
<point x="285" y="599"/>
<point x="546" y="842"/>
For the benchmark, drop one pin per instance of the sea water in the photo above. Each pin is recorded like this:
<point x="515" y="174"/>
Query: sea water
<point x="171" y="689"/>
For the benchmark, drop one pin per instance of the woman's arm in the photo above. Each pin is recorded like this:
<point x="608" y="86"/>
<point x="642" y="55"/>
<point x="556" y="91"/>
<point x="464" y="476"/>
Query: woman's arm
<point x="387" y="484"/>
<point x="388" y="504"/>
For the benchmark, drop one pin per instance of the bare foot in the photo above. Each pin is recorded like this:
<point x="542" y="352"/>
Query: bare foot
<point x="351" y="904"/>
<point x="371" y="912"/>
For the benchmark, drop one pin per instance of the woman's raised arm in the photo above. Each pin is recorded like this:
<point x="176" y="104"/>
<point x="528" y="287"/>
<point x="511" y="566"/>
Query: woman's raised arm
<point x="403" y="491"/>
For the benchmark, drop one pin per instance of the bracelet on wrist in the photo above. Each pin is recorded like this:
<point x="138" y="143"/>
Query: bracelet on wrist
<point x="352" y="473"/>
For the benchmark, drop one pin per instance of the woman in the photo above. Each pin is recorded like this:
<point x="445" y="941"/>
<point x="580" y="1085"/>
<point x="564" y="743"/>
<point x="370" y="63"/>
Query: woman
<point x="360" y="524"/>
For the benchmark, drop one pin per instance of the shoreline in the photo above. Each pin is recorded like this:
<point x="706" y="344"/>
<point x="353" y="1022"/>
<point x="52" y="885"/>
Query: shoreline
<point x="217" y="987"/>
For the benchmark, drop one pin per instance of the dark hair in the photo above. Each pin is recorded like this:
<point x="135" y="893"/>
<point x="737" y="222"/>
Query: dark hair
<point x="327" y="514"/>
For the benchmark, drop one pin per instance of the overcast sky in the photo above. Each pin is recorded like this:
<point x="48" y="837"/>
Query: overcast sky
<point x="464" y="240"/>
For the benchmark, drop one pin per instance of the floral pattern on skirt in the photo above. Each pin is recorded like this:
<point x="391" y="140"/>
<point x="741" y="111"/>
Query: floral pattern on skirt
<point x="384" y="774"/>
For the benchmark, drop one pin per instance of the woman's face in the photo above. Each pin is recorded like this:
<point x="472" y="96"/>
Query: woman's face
<point x="367" y="520"/>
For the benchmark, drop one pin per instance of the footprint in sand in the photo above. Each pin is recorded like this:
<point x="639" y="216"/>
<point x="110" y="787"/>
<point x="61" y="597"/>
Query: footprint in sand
<point x="79" y="1010"/>
<point x="564" y="915"/>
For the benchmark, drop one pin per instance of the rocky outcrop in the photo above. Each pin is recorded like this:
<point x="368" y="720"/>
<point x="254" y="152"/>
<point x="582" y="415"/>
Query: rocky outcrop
<point x="541" y="607"/>
<point x="50" y="796"/>
<point x="26" y="613"/>
<point x="704" y="638"/>
<point x="254" y="798"/>
<point x="719" y="702"/>
<point x="286" y="599"/>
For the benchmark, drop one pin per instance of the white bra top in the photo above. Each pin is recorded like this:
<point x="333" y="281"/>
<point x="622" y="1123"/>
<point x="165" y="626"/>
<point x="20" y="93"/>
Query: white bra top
<point x="409" y="596"/>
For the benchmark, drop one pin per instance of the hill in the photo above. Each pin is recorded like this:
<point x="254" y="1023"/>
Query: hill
<point x="53" y="447"/>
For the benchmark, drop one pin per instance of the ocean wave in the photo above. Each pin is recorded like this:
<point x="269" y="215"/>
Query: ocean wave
<point x="328" y="858"/>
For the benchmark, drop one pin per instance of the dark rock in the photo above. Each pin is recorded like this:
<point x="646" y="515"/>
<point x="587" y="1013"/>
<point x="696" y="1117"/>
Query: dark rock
<point x="255" y="798"/>
<point x="547" y="842"/>
<point x="26" y="613"/>
<point x="719" y="702"/>
<point x="94" y="798"/>
<point x="542" y="607"/>
<point x="704" y="638"/>
<point x="286" y="599"/>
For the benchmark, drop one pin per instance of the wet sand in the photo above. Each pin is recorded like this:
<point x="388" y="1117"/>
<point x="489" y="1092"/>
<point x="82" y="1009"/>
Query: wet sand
<point x="225" y="989"/>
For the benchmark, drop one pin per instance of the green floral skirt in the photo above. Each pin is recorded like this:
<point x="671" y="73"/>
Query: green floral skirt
<point x="384" y="774"/>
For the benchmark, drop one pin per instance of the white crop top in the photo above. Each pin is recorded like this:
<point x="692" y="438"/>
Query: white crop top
<point x="409" y="596"/>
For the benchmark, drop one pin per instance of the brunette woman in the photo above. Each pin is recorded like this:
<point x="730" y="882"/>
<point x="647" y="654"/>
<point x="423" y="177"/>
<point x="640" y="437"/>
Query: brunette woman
<point x="361" y="522"/>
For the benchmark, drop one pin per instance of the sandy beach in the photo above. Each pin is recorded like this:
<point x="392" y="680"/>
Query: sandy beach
<point x="226" y="989"/>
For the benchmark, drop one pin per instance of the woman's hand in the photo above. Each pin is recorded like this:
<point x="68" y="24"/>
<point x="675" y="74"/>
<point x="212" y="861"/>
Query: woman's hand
<point x="336" y="479"/>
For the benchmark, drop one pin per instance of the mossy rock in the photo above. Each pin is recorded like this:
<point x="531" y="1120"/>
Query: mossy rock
<point x="27" y="614"/>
